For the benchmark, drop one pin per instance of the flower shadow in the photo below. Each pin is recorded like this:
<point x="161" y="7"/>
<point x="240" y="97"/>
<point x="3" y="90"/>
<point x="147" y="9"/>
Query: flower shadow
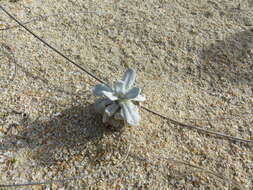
<point x="229" y="60"/>
<point x="73" y="129"/>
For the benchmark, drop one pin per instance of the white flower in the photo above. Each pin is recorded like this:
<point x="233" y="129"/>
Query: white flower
<point x="119" y="99"/>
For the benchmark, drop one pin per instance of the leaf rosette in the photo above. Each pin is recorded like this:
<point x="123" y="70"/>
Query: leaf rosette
<point x="118" y="102"/>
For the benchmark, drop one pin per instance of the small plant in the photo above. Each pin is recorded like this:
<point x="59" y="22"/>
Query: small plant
<point x="117" y="102"/>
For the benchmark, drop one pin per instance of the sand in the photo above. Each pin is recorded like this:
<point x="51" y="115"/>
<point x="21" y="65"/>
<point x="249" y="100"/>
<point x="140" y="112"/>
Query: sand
<point x="194" y="61"/>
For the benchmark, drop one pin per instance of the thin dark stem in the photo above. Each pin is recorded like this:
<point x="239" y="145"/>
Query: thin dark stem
<point x="51" y="47"/>
<point x="197" y="127"/>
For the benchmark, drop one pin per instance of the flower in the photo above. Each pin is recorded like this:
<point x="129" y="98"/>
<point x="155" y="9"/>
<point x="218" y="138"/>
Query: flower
<point x="118" y="99"/>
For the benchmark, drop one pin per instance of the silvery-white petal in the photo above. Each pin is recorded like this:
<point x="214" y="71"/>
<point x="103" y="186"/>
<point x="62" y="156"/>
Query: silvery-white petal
<point x="130" y="113"/>
<point x="132" y="93"/>
<point x="110" y="95"/>
<point x="100" y="104"/>
<point x="129" y="78"/>
<point x="140" y="98"/>
<point x="99" y="89"/>
<point x="111" y="109"/>
<point x="119" y="86"/>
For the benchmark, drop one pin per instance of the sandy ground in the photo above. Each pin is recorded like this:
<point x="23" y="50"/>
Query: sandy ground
<point x="195" y="64"/>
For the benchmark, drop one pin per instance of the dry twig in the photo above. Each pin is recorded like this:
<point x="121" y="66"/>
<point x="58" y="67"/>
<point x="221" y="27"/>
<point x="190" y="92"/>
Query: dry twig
<point x="198" y="128"/>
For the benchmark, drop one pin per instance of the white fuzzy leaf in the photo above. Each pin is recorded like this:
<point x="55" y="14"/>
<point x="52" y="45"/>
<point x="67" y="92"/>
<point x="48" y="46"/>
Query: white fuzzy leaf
<point x="100" y="104"/>
<point x="133" y="93"/>
<point x="100" y="88"/>
<point x="129" y="78"/>
<point x="111" y="109"/>
<point x="110" y="95"/>
<point x="119" y="87"/>
<point x="130" y="113"/>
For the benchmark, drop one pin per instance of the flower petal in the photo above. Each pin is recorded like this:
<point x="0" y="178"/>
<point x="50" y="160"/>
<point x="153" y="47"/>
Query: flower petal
<point x="132" y="93"/>
<point x="129" y="78"/>
<point x="130" y="113"/>
<point x="119" y="87"/>
<point x="99" y="89"/>
<point x="110" y="95"/>
<point x="100" y="104"/>
<point x="139" y="98"/>
<point x="112" y="109"/>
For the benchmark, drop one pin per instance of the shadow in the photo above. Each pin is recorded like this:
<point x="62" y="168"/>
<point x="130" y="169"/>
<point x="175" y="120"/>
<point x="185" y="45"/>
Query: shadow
<point x="74" y="129"/>
<point x="229" y="60"/>
<point x="79" y="130"/>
